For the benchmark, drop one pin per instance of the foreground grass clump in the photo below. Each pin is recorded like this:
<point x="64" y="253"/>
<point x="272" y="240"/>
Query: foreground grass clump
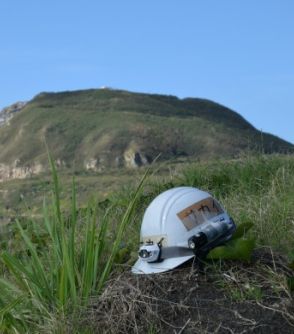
<point x="41" y="287"/>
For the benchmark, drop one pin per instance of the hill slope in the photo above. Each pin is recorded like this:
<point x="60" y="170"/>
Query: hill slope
<point x="98" y="129"/>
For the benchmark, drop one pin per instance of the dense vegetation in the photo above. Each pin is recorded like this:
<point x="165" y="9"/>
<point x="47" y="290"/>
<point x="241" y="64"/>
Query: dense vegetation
<point x="51" y="269"/>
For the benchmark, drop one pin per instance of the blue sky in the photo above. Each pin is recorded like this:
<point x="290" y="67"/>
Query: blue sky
<point x="237" y="53"/>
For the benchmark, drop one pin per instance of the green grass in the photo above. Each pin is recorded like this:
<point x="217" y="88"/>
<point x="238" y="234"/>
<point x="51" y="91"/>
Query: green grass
<point x="60" y="265"/>
<point x="51" y="267"/>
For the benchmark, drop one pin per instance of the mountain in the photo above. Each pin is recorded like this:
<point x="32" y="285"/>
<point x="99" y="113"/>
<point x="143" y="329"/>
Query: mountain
<point x="103" y="128"/>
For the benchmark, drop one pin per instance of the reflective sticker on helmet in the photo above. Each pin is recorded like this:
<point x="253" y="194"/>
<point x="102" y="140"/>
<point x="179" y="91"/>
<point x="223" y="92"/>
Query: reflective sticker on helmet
<point x="155" y="239"/>
<point x="199" y="212"/>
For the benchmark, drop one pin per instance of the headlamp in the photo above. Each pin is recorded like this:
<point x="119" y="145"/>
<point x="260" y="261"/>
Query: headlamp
<point x="149" y="253"/>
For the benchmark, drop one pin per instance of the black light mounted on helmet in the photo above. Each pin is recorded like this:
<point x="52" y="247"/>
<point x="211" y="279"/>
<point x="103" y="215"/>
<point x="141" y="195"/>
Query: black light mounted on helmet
<point x="212" y="234"/>
<point x="197" y="241"/>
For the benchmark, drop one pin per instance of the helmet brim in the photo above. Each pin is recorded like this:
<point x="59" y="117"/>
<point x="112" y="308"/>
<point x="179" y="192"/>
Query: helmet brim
<point x="143" y="267"/>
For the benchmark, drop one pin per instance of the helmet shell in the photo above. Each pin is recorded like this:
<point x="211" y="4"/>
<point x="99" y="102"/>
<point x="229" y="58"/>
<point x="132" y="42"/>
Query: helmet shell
<point x="167" y="220"/>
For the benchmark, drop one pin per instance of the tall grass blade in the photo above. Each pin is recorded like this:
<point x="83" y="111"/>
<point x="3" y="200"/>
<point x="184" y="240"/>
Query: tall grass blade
<point x="55" y="187"/>
<point x="125" y="220"/>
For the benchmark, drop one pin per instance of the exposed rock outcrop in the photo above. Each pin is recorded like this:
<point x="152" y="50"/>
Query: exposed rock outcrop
<point x="91" y="164"/>
<point x="8" y="112"/>
<point x="133" y="157"/>
<point x="17" y="172"/>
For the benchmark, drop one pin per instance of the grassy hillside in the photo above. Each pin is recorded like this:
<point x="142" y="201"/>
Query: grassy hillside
<point x="108" y="128"/>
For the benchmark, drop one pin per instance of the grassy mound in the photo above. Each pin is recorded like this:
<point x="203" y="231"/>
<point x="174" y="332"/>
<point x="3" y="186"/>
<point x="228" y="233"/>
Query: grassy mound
<point x="230" y="297"/>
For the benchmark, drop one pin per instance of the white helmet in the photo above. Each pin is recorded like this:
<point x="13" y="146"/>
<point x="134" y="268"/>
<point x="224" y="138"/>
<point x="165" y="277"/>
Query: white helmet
<point x="178" y="224"/>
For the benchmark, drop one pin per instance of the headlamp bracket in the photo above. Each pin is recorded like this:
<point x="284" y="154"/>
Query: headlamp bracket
<point x="151" y="252"/>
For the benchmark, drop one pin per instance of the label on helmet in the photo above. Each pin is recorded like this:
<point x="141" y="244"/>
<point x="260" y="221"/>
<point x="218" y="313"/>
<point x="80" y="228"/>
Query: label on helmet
<point x="154" y="239"/>
<point x="199" y="212"/>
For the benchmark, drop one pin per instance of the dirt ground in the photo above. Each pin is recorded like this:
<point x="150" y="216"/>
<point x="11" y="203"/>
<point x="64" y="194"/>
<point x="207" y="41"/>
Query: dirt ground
<point x="227" y="297"/>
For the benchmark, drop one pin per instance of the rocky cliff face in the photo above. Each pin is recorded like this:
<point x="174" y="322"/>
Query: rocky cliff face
<point x="15" y="171"/>
<point x="131" y="158"/>
<point x="7" y="113"/>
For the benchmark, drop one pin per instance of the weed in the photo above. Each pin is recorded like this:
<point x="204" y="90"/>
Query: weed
<point x="41" y="288"/>
<point x="246" y="292"/>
